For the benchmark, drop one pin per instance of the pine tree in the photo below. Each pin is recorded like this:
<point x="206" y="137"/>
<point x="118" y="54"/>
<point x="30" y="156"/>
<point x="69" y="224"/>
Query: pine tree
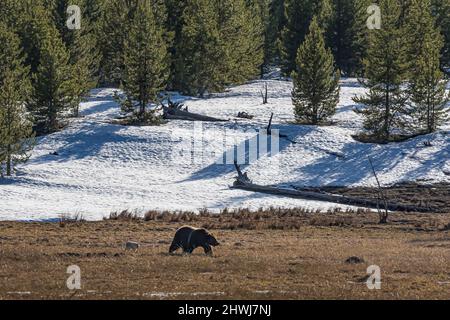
<point x="84" y="61"/>
<point x="33" y="25"/>
<point x="347" y="34"/>
<point x="242" y="40"/>
<point x="81" y="44"/>
<point x="298" y="17"/>
<point x="11" y="13"/>
<point x="259" y="52"/>
<point x="386" y="70"/>
<point x="263" y="14"/>
<point x="427" y="84"/>
<point x="174" y="27"/>
<point x="93" y="12"/>
<point x="277" y="22"/>
<point x="145" y="59"/>
<point x="221" y="43"/>
<point x="113" y="28"/>
<point x="54" y="88"/>
<point x="57" y="10"/>
<point x="201" y="50"/>
<point x="316" y="82"/>
<point x="16" y="138"/>
<point x="441" y="10"/>
<point x="84" y="52"/>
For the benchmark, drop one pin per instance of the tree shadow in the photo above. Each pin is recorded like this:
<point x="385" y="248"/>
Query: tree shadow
<point x="355" y="167"/>
<point x="224" y="164"/>
<point x="99" y="107"/>
<point x="237" y="201"/>
<point x="87" y="139"/>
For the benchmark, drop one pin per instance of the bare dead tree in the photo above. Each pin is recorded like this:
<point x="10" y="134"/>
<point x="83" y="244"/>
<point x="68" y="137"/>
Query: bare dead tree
<point x="381" y="196"/>
<point x="265" y="94"/>
<point x="269" y="127"/>
<point x="242" y="178"/>
<point x="269" y="131"/>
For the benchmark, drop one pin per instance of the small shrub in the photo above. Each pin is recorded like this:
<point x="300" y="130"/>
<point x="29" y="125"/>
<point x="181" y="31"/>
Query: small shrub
<point x="124" y="215"/>
<point x="70" y="219"/>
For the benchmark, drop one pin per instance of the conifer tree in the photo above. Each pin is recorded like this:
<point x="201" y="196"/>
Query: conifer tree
<point x="34" y="24"/>
<point x="145" y="59"/>
<point x="221" y="43"/>
<point x="84" y="52"/>
<point x="174" y="27"/>
<point x="386" y="70"/>
<point x="54" y="88"/>
<point x="201" y="49"/>
<point x="260" y="48"/>
<point x="93" y="12"/>
<point x="16" y="138"/>
<point x="84" y="60"/>
<point x="277" y="22"/>
<point x="263" y="14"/>
<point x="57" y="10"/>
<point x="441" y="11"/>
<point x="11" y="13"/>
<point x="113" y="29"/>
<point x="427" y="84"/>
<point x="316" y="82"/>
<point x="347" y="34"/>
<point x="242" y="39"/>
<point x="298" y="17"/>
<point x="40" y="40"/>
<point x="81" y="44"/>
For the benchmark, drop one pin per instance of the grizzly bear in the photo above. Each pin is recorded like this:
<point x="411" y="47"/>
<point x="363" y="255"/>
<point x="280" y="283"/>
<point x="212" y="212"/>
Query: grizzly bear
<point x="189" y="238"/>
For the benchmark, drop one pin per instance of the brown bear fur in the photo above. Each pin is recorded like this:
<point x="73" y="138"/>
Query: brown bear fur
<point x="189" y="238"/>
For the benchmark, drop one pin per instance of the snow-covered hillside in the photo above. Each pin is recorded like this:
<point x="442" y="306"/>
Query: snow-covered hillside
<point x="94" y="167"/>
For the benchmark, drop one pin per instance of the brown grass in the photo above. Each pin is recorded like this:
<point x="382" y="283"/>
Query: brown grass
<point x="287" y="255"/>
<point x="262" y="219"/>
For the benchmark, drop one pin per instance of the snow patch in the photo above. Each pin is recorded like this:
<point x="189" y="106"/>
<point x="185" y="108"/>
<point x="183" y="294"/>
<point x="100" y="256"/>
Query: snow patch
<point x="94" y="167"/>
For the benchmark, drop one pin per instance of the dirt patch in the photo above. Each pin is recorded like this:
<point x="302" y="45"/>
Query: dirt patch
<point x="435" y="196"/>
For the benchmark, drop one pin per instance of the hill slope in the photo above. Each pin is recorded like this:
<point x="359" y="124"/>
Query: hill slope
<point x="94" y="167"/>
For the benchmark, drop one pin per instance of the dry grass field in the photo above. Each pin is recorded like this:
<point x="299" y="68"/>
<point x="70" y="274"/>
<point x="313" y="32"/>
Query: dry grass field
<point x="285" y="254"/>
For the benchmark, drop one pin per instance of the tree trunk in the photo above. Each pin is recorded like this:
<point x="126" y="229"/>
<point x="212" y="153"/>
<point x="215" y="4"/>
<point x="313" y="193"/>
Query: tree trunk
<point x="142" y="108"/>
<point x="429" y="125"/>
<point x="8" y="162"/>
<point x="387" y="116"/>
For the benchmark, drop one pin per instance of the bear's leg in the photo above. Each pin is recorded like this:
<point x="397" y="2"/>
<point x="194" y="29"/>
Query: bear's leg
<point x="208" y="250"/>
<point x="188" y="250"/>
<point x="173" y="247"/>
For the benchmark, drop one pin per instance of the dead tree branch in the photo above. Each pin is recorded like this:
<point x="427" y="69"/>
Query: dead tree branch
<point x="175" y="111"/>
<point x="381" y="195"/>
<point x="265" y="94"/>
<point x="269" y="131"/>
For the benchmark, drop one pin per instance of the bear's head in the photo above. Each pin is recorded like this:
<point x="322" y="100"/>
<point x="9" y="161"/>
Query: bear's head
<point x="209" y="238"/>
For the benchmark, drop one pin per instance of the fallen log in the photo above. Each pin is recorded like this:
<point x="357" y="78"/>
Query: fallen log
<point x="245" y="115"/>
<point x="244" y="183"/>
<point x="318" y="196"/>
<point x="242" y="177"/>
<point x="178" y="114"/>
